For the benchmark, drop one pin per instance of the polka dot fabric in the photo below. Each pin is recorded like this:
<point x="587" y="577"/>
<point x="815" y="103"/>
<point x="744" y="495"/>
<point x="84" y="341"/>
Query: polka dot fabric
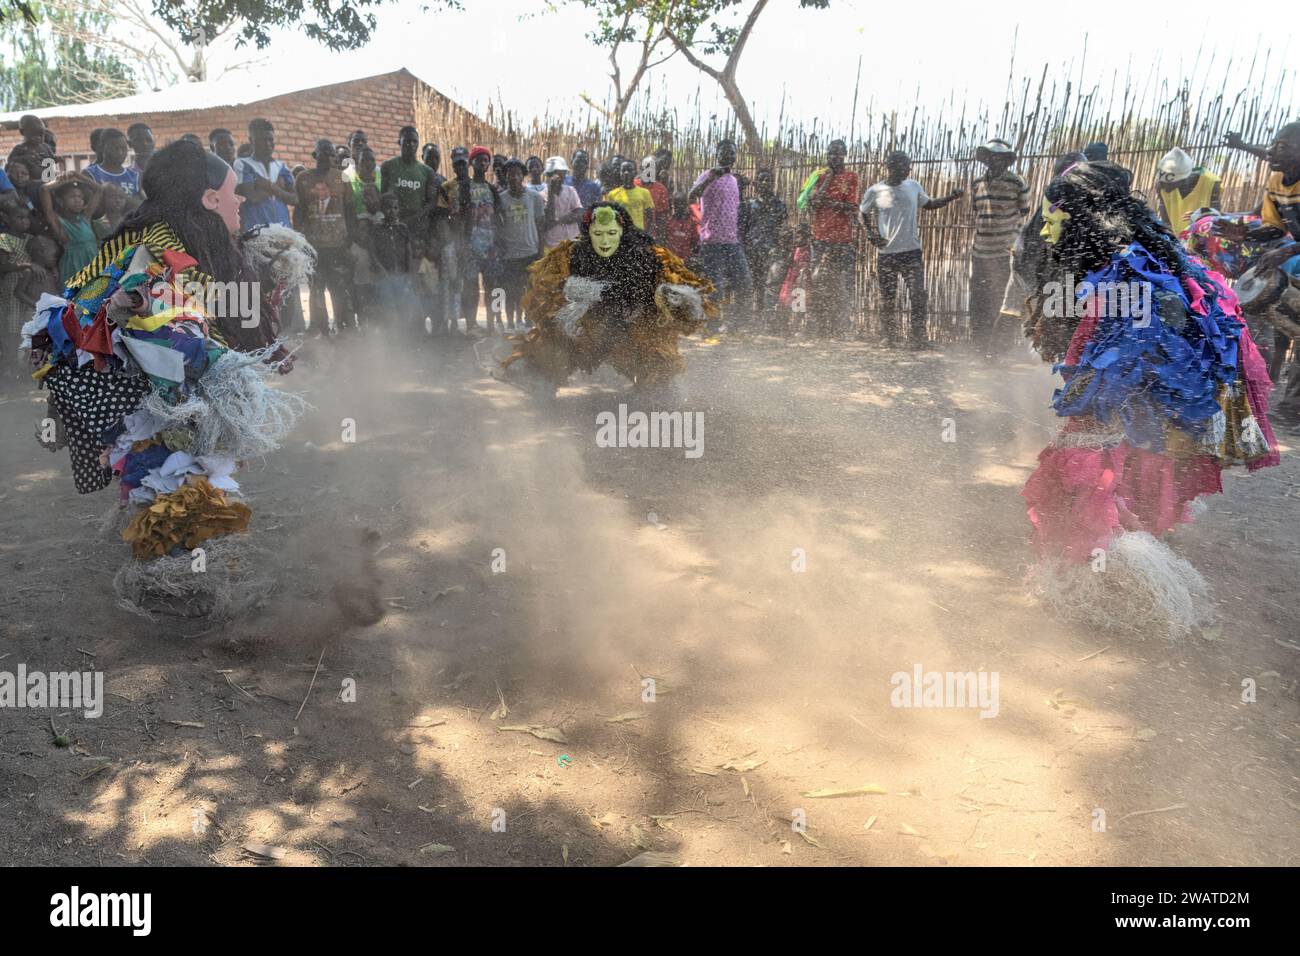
<point x="89" y="403"/>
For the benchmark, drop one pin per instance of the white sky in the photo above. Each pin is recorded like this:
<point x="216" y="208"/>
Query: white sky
<point x="525" y="57"/>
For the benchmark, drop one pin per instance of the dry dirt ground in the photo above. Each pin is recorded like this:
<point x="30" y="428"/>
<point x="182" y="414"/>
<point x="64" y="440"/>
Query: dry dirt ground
<point x="622" y="565"/>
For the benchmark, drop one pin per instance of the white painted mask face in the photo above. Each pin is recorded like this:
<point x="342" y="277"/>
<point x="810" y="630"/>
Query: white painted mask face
<point x="225" y="202"/>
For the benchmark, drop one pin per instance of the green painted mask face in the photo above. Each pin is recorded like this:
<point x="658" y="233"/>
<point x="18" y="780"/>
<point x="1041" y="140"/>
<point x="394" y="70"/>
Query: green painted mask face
<point x="1054" y="220"/>
<point x="605" y="232"/>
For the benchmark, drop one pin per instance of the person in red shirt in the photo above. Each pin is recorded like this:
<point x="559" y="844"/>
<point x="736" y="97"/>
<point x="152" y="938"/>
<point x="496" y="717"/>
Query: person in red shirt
<point x="834" y="221"/>
<point x="682" y="232"/>
<point x="649" y="179"/>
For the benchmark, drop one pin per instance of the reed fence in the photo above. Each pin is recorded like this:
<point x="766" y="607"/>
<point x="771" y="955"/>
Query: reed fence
<point x="1139" y="117"/>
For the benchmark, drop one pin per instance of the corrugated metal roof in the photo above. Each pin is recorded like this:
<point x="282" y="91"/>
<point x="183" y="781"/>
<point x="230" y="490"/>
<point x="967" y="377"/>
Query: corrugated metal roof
<point x="238" y="88"/>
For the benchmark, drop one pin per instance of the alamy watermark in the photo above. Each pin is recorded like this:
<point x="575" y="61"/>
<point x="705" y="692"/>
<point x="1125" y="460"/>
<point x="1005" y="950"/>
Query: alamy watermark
<point x="922" y="688"/>
<point x="130" y="910"/>
<point x="230" y="300"/>
<point x="1120" y="300"/>
<point x="60" y="690"/>
<point x="651" y="430"/>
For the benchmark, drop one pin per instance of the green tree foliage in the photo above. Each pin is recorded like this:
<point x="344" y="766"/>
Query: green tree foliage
<point x="336" y="24"/>
<point x="45" y="59"/>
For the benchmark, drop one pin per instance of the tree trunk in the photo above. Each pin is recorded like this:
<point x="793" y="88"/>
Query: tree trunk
<point x="743" y="116"/>
<point x="726" y="77"/>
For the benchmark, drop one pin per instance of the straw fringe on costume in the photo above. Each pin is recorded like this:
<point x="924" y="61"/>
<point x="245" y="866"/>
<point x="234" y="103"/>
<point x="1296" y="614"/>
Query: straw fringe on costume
<point x="233" y="581"/>
<point x="233" y="411"/>
<point x="1143" y="588"/>
<point x="645" y="350"/>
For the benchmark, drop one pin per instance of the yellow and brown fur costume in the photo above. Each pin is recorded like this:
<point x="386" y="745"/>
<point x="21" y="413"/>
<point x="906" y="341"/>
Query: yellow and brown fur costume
<point x="644" y="350"/>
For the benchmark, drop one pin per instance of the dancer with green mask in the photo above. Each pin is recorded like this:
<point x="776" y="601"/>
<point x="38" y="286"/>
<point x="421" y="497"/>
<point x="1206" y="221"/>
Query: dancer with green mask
<point x="608" y="297"/>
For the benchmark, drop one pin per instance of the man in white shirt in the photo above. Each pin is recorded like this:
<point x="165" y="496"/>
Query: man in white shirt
<point x="564" y="210"/>
<point x="889" y="213"/>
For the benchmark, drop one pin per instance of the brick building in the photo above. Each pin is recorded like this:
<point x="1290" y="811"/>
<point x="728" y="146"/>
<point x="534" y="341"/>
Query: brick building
<point x="379" y="104"/>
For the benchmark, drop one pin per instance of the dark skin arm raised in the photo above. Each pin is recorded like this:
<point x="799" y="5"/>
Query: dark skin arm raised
<point x="716" y="173"/>
<point x="819" y="199"/>
<point x="1234" y="141"/>
<point x="940" y="203"/>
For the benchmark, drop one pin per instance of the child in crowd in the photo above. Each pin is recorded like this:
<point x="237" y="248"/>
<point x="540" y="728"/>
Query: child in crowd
<point x="364" y="272"/>
<point x="70" y="203"/>
<point x="14" y="262"/>
<point x="682" y="237"/>
<point x="392" y="255"/>
<point x="22" y="181"/>
<point x="42" y="277"/>
<point x="37" y="278"/>
<point x="111" y="166"/>
<point x="794" y="290"/>
<point x="113" y="202"/>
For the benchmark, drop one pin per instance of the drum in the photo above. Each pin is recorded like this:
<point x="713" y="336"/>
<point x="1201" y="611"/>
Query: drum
<point x="1258" y="289"/>
<point x="1273" y="296"/>
<point x="1287" y="324"/>
<point x="1288" y="303"/>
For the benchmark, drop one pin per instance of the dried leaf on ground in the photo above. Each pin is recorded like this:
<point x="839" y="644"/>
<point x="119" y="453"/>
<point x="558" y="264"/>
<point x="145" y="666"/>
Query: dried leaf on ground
<point x="864" y="790"/>
<point x="264" y="850"/>
<point x="652" y="858"/>
<point x="542" y="733"/>
<point x="502" y="711"/>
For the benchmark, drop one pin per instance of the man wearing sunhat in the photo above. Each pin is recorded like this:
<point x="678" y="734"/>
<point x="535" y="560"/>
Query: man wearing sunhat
<point x="1182" y="187"/>
<point x="564" y="207"/>
<point x="1000" y="201"/>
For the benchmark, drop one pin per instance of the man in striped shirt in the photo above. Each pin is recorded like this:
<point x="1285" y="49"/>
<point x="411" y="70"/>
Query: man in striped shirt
<point x="1000" y="203"/>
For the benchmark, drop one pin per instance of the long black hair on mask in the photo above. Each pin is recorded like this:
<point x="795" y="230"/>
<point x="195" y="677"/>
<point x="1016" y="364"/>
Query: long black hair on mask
<point x="174" y="183"/>
<point x="633" y="270"/>
<point x="1105" y="216"/>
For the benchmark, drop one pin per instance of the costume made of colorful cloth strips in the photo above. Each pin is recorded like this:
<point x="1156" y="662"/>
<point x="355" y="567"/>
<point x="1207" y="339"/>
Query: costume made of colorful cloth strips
<point x="143" y="387"/>
<point x="1156" y="407"/>
<point x="1162" y="389"/>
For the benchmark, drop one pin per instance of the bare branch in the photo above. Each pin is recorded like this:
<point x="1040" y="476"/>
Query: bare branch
<point x="613" y="55"/>
<point x="733" y="60"/>
<point x="691" y="58"/>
